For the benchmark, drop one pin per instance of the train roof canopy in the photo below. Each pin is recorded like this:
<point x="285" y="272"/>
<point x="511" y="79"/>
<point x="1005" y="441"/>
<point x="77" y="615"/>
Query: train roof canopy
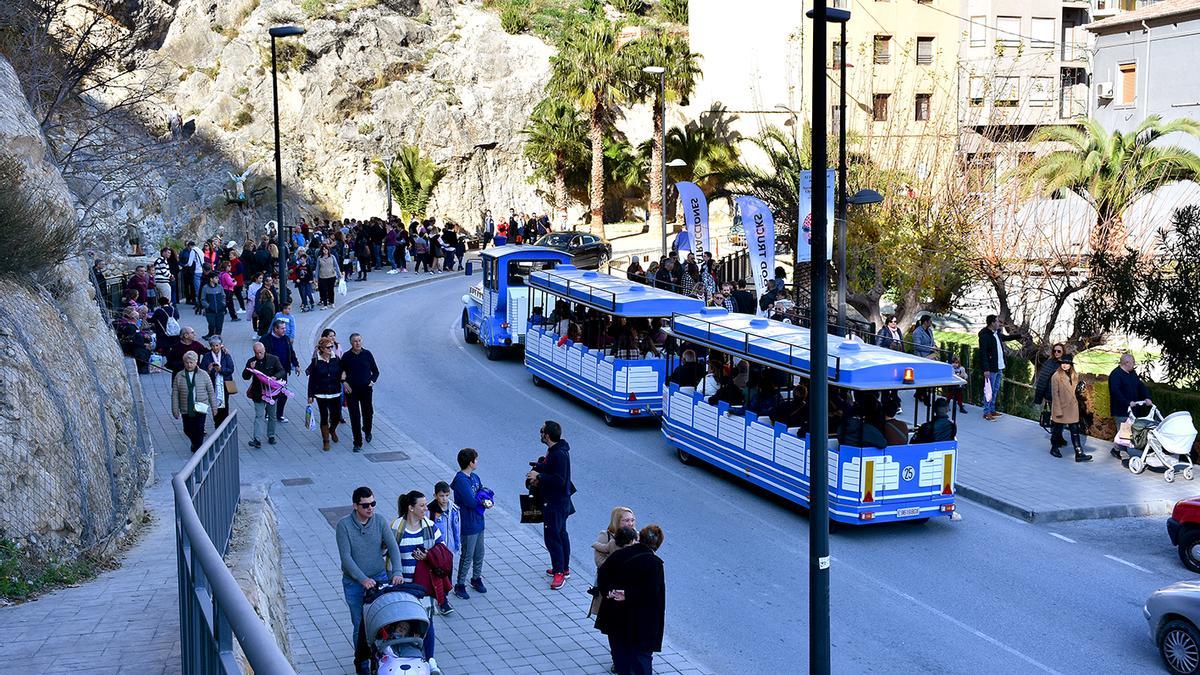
<point x="611" y="294"/>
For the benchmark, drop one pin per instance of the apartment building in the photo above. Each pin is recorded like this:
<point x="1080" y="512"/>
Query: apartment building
<point x="1143" y="66"/>
<point x="901" y="60"/>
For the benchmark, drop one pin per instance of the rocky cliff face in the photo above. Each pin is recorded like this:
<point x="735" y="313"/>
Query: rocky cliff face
<point x="71" y="467"/>
<point x="369" y="76"/>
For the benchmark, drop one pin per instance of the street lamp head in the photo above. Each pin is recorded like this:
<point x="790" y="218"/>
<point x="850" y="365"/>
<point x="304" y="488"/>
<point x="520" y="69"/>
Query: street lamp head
<point x="833" y="15"/>
<point x="285" y="31"/>
<point x="865" y="196"/>
<point x="677" y="162"/>
<point x="654" y="70"/>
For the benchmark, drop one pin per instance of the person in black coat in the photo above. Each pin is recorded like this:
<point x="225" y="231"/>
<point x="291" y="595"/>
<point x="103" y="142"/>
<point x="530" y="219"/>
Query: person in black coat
<point x="360" y="373"/>
<point x="991" y="354"/>
<point x="743" y="299"/>
<point x="1041" y="387"/>
<point x="551" y="478"/>
<point x="325" y="388"/>
<point x="633" y="589"/>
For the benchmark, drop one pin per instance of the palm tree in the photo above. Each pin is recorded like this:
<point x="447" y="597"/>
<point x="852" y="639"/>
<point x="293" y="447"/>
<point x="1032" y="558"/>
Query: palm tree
<point x="593" y="72"/>
<point x="777" y="183"/>
<point x="555" y="140"/>
<point x="1111" y="170"/>
<point x="669" y="51"/>
<point x="413" y="179"/>
<point x="710" y="155"/>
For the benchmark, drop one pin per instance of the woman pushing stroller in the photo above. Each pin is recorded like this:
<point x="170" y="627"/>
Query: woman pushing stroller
<point x="1064" y="409"/>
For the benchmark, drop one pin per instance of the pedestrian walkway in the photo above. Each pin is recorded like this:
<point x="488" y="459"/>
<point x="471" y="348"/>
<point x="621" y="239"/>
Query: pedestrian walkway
<point x="1006" y="464"/>
<point x="519" y="626"/>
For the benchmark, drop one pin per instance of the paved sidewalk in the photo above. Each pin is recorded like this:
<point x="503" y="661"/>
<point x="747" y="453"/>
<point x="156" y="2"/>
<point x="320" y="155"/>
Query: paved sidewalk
<point x="1006" y="464"/>
<point x="519" y="626"/>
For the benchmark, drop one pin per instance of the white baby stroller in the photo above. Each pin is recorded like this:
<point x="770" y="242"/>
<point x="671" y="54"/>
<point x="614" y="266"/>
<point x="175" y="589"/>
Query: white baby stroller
<point x="395" y="620"/>
<point x="1163" y="442"/>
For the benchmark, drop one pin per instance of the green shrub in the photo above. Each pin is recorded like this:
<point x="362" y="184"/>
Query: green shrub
<point x="514" y="20"/>
<point x="630" y="6"/>
<point x="245" y="116"/>
<point x="675" y="11"/>
<point x="313" y="8"/>
<point x="22" y="576"/>
<point x="289" y="55"/>
<point x="34" y="234"/>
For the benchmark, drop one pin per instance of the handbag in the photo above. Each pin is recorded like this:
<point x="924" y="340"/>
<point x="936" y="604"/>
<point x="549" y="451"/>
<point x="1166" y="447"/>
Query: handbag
<point x="531" y="510"/>
<point x="231" y="387"/>
<point x="1044" y="421"/>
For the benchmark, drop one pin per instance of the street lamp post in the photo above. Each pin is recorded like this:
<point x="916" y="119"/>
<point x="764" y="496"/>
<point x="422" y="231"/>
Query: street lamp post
<point x="662" y="139"/>
<point x="818" y="388"/>
<point x="389" y="159"/>
<point x="280" y="32"/>
<point x="841" y="190"/>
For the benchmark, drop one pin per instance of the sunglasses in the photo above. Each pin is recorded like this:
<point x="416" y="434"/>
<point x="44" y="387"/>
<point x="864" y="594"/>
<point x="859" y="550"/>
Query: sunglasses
<point x="324" y="348"/>
<point x="366" y="505"/>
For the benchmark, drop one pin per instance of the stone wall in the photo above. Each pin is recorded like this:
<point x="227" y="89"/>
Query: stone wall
<point x="255" y="558"/>
<point x="71" y="468"/>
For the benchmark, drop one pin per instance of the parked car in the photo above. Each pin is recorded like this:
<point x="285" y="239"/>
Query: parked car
<point x="588" y="251"/>
<point x="1184" y="529"/>
<point x="1172" y="614"/>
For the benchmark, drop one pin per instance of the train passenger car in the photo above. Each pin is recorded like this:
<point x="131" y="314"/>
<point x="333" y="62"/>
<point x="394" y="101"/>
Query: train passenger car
<point x="866" y="484"/>
<point x="592" y="335"/>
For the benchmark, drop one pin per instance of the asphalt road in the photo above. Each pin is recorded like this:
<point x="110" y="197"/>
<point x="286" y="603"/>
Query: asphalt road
<point x="987" y="594"/>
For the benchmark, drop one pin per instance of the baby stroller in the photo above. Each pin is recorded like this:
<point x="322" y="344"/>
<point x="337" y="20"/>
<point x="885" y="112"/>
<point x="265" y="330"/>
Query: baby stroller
<point x="1163" y="442"/>
<point x="395" y="620"/>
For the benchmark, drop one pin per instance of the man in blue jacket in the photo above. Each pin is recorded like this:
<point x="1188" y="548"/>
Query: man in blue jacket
<point x="1125" y="388"/>
<point x="551" y="477"/>
<point x="279" y="344"/>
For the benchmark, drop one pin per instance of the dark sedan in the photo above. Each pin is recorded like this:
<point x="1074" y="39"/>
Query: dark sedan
<point x="588" y="251"/>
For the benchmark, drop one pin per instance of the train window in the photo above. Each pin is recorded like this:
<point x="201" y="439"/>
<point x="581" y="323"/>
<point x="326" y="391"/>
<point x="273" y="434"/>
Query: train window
<point x="519" y="270"/>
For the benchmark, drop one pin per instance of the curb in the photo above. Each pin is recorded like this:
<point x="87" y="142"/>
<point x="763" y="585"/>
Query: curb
<point x="378" y="293"/>
<point x="1157" y="507"/>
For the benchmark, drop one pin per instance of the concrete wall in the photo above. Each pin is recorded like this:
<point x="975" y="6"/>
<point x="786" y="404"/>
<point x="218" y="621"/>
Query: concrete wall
<point x="255" y="558"/>
<point x="1168" y="81"/>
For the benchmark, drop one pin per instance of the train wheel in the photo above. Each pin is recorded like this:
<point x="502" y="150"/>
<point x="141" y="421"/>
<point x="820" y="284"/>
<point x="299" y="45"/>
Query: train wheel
<point x="493" y="353"/>
<point x="468" y="336"/>
<point x="610" y="420"/>
<point x="537" y="381"/>
<point x="684" y="457"/>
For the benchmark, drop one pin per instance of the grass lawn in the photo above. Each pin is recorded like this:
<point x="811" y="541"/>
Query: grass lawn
<point x="1096" y="361"/>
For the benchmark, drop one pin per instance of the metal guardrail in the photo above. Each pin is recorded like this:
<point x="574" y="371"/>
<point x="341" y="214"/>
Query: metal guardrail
<point x="608" y="304"/>
<point x="212" y="608"/>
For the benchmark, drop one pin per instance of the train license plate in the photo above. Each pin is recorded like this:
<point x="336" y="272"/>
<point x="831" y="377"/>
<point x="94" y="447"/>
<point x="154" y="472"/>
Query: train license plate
<point x="908" y="513"/>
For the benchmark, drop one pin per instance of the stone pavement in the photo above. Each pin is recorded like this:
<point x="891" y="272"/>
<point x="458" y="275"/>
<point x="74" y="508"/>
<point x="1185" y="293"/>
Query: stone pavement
<point x="519" y="626"/>
<point x="1006" y="464"/>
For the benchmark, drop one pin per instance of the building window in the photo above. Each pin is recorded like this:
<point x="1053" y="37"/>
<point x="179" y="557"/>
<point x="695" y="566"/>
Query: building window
<point x="1128" y="83"/>
<point x="924" y="51"/>
<point x="978" y="31"/>
<point x="883" y="49"/>
<point x="1008" y="30"/>
<point x="879" y="107"/>
<point x="1041" y="91"/>
<point x="976" y="90"/>
<point x="1008" y="92"/>
<point x="921" y="112"/>
<point x="838" y="53"/>
<point x="1042" y="32"/>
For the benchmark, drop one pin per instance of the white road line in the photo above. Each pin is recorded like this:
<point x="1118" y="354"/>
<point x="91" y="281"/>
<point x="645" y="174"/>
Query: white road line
<point x="1127" y="563"/>
<point x="1059" y="536"/>
<point x="946" y="617"/>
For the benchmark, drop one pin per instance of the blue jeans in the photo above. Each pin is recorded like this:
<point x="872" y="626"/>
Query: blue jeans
<point x="377" y="250"/>
<point x="995" y="378"/>
<point x="391" y="256"/>
<point x="354" y="593"/>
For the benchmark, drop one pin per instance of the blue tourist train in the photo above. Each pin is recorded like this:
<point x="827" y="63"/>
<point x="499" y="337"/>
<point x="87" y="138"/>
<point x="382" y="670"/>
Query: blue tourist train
<point x="866" y="484"/>
<point x="601" y="338"/>
<point x="495" y="309"/>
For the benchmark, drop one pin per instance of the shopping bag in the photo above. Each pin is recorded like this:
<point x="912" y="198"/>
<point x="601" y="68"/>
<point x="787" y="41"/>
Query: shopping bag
<point x="531" y="510"/>
<point x="342" y="286"/>
<point x="200" y="407"/>
<point x="1044" y="421"/>
<point x="1125" y="432"/>
<point x="310" y="420"/>
<point x="987" y="389"/>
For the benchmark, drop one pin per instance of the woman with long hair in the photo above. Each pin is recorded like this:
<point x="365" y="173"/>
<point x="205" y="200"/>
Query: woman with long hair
<point x="1064" y="409"/>
<point x="415" y="535"/>
<point x="325" y="389"/>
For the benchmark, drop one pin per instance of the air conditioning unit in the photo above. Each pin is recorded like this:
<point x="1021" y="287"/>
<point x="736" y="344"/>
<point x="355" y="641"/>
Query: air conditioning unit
<point x="1104" y="90"/>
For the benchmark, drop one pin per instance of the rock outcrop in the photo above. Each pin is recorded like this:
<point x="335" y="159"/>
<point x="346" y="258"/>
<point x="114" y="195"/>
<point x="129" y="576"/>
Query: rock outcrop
<point x="71" y="467"/>
<point x="368" y="77"/>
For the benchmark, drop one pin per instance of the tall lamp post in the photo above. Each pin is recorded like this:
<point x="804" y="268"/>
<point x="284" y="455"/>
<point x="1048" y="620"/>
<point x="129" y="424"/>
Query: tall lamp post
<point x="280" y="32"/>
<point x="390" y="159"/>
<point x="862" y="197"/>
<point x="818" y="388"/>
<point x="662" y="139"/>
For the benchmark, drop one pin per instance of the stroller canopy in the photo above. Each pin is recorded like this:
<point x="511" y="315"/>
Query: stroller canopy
<point x="1176" y="433"/>
<point x="394" y="604"/>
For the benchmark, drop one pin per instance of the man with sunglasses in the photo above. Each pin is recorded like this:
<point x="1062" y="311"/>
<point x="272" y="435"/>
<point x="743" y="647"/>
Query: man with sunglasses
<point x="362" y="537"/>
<point x="1041" y="391"/>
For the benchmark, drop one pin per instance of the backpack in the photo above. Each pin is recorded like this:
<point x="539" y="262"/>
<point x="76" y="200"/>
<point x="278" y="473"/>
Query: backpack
<point x="172" y="327"/>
